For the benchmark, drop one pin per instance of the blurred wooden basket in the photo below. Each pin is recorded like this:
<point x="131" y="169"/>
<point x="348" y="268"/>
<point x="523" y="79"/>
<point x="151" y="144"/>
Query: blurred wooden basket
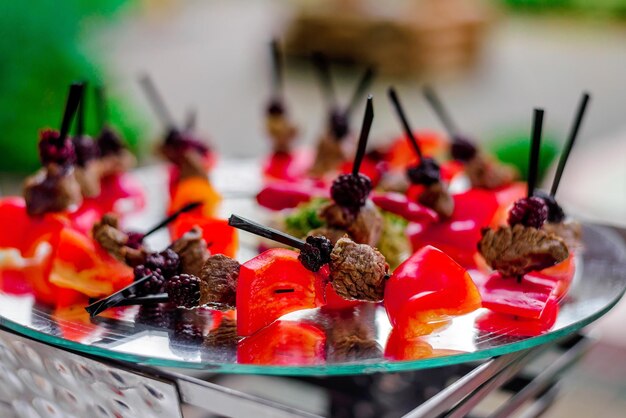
<point x="416" y="38"/>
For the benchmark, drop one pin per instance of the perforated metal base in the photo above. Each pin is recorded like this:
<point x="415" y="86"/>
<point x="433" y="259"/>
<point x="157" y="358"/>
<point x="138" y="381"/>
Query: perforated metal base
<point x="38" y="380"/>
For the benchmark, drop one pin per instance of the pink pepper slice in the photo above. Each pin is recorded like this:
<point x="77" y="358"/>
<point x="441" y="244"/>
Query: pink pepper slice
<point x="399" y="204"/>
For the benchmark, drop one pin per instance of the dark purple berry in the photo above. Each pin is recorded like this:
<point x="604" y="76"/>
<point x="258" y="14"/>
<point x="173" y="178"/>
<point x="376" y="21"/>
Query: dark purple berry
<point x="275" y="108"/>
<point x="86" y="149"/>
<point x="171" y="261"/>
<point x="529" y="211"/>
<point x="152" y="314"/>
<point x="555" y="211"/>
<point x="154" y="284"/>
<point x="109" y="142"/>
<point x="462" y="149"/>
<point x="183" y="141"/>
<point x="426" y="172"/>
<point x="376" y="154"/>
<point x="184" y="290"/>
<point x="351" y="191"/>
<point x="339" y="124"/>
<point x="167" y="260"/>
<point x="52" y="149"/>
<point x="315" y="253"/>
<point x="135" y="239"/>
<point x="188" y="332"/>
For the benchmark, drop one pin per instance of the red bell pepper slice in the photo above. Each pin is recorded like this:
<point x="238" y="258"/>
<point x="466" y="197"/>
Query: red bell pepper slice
<point x="14" y="222"/>
<point x="457" y="236"/>
<point x="560" y="276"/>
<point x="284" y="343"/>
<point x="86" y="216"/>
<point x="400" y="205"/>
<point x="494" y="322"/>
<point x="400" y="348"/>
<point x="80" y="265"/>
<point x="336" y="302"/>
<point x="505" y="197"/>
<point x="427" y="289"/>
<point x="120" y="193"/>
<point x="273" y="284"/>
<point x="506" y="295"/>
<point x="196" y="189"/>
<point x="219" y="236"/>
<point x="286" y="195"/>
<point x="287" y="166"/>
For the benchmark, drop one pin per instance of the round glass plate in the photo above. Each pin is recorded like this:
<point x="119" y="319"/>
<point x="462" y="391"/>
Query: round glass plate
<point x="312" y="342"/>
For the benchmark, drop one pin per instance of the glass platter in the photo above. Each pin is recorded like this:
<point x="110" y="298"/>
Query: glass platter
<point x="326" y="348"/>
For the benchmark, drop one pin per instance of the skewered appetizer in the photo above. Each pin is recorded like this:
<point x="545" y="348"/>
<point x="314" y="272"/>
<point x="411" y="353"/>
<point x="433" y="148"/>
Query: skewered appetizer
<point x="482" y="170"/>
<point x="284" y="162"/>
<point x="336" y="145"/>
<point x="65" y="265"/>
<point x="351" y="209"/>
<point x="280" y="280"/>
<point x="120" y="191"/>
<point x="190" y="158"/>
<point x="533" y="262"/>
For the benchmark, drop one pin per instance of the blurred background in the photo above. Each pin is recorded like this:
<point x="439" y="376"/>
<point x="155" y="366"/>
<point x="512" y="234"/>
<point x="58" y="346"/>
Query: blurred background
<point x="492" y="62"/>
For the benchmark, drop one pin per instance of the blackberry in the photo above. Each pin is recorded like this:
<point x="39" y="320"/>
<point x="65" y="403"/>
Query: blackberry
<point x="152" y="314"/>
<point x="555" y="211"/>
<point x="135" y="239"/>
<point x="154" y="284"/>
<point x="315" y="253"/>
<point x="54" y="150"/>
<point x="275" y="108"/>
<point x="351" y="191"/>
<point x="529" y="211"/>
<point x="184" y="290"/>
<point x="462" y="149"/>
<point x="339" y="124"/>
<point x="86" y="149"/>
<point x="109" y="142"/>
<point x="188" y="332"/>
<point x="167" y="260"/>
<point x="180" y="142"/>
<point x="376" y="154"/>
<point x="426" y="172"/>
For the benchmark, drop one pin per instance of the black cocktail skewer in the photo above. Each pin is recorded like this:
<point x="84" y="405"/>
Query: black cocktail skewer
<point x="157" y="102"/>
<point x="368" y="118"/>
<point x="323" y="71"/>
<point x="461" y="148"/>
<point x="115" y="298"/>
<point x="582" y="107"/>
<point x="80" y="113"/>
<point x="264" y="231"/>
<point x="73" y="100"/>
<point x="192" y="118"/>
<point x="101" y="107"/>
<point x="145" y="300"/>
<point x="441" y="111"/>
<point x="363" y="85"/>
<point x="535" y="145"/>
<point x="277" y="71"/>
<point x="395" y="100"/>
<point x="169" y="219"/>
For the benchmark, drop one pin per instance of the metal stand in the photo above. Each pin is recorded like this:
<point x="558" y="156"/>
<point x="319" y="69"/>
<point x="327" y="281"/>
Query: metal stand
<point x="49" y="381"/>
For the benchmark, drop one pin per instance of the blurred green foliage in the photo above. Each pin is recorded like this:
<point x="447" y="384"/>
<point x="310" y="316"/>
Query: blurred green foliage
<point x="514" y="149"/>
<point x="40" y="54"/>
<point x="606" y="7"/>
